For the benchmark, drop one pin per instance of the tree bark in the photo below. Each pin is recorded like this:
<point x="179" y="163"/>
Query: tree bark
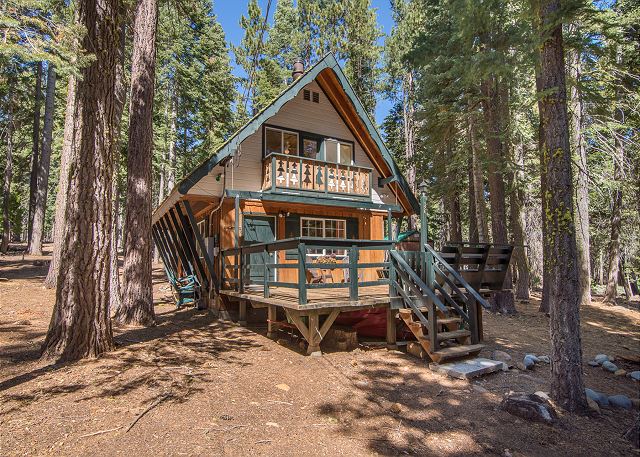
<point x="478" y="185"/>
<point x="67" y="157"/>
<point x="567" y="386"/>
<point x="582" y="182"/>
<point x="8" y="172"/>
<point x="137" y="300"/>
<point x="613" y="270"/>
<point x="171" y="153"/>
<point x="516" y="201"/>
<point x="471" y="208"/>
<point x="493" y="98"/>
<point x="35" y="150"/>
<point x="42" y="179"/>
<point x="80" y="325"/>
<point x="121" y="96"/>
<point x="409" y="119"/>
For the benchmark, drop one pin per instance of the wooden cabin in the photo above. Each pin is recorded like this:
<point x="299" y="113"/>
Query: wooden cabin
<point x="294" y="213"/>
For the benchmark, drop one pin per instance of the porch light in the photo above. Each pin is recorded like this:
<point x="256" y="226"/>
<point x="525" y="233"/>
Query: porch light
<point x="423" y="187"/>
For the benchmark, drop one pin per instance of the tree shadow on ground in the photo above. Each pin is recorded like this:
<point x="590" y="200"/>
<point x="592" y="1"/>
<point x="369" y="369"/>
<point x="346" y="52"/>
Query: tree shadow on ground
<point x="178" y="356"/>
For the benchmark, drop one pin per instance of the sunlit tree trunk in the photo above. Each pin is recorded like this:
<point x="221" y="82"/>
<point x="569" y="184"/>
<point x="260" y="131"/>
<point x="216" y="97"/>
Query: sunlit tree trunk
<point x="8" y="172"/>
<point x="35" y="149"/>
<point x="567" y="386"/>
<point x="42" y="175"/>
<point x="80" y="325"/>
<point x="137" y="297"/>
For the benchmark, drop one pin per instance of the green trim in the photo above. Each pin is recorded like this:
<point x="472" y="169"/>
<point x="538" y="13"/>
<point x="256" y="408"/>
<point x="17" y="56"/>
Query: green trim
<point x="310" y="200"/>
<point x="389" y="180"/>
<point x="254" y="124"/>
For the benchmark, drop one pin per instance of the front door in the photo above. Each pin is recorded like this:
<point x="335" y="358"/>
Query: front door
<point x="259" y="229"/>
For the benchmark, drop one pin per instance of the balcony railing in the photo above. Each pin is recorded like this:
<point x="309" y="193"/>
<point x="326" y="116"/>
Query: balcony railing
<point x="286" y="172"/>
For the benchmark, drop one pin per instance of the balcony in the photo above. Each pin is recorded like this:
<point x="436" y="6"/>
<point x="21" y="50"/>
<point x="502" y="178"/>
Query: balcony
<point x="282" y="172"/>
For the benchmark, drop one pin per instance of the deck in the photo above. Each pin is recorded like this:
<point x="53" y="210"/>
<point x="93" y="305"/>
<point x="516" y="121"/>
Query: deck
<point x="369" y="296"/>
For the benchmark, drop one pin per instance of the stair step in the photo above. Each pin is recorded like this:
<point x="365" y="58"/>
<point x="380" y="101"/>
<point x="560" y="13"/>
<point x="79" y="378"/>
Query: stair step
<point x="405" y="312"/>
<point x="449" y="320"/>
<point x="453" y="335"/>
<point x="455" y="352"/>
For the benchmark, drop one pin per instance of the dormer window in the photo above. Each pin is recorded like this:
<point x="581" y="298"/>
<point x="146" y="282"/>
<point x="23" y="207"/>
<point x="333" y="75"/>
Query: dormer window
<point x="279" y="141"/>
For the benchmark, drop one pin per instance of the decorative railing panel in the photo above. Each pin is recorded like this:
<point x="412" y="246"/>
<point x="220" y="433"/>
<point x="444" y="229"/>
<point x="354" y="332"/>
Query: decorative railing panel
<point x="281" y="171"/>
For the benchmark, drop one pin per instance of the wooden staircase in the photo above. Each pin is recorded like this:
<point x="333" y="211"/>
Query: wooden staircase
<point x="437" y="305"/>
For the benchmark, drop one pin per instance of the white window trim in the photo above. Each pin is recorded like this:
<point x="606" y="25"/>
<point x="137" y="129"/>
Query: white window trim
<point x="324" y="230"/>
<point x="282" y="132"/>
<point x="338" y="149"/>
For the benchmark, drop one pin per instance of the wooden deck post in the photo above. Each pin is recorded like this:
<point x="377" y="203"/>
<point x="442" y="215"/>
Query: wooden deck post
<point x="271" y="319"/>
<point x="242" y="313"/>
<point x="314" y="334"/>
<point x="391" y="328"/>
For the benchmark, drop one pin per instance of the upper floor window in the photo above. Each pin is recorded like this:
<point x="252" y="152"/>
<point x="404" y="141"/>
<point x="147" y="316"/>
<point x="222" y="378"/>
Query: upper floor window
<point x="281" y="142"/>
<point x="338" y="152"/>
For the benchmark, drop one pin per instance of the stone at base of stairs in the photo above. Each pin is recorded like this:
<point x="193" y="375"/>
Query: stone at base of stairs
<point x="470" y="368"/>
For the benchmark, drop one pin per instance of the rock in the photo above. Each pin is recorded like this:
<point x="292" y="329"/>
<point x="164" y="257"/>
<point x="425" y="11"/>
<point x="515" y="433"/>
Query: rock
<point x="620" y="401"/>
<point x="543" y="395"/>
<point x="635" y="402"/>
<point x="283" y="387"/>
<point x="528" y="362"/>
<point x="620" y="372"/>
<point x="272" y="424"/>
<point x="600" y="358"/>
<point x="396" y="408"/>
<point x="610" y="367"/>
<point x="601" y="399"/>
<point x="593" y="363"/>
<point x="544" y="359"/>
<point x="533" y="357"/>
<point x="507" y="453"/>
<point x="416" y="350"/>
<point x="362" y="384"/>
<point x="479" y="389"/>
<point x="521" y="366"/>
<point x="501" y="356"/>
<point x="593" y="406"/>
<point x="530" y="407"/>
<point x="635" y="375"/>
<point x="340" y="338"/>
<point x="282" y="342"/>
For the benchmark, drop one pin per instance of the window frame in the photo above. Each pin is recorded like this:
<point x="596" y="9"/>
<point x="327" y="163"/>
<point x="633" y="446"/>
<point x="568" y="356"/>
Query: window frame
<point x="340" y="253"/>
<point x="282" y="132"/>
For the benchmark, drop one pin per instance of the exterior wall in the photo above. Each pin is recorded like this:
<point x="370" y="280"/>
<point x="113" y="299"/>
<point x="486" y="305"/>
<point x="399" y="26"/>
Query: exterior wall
<point x="298" y="114"/>
<point x="370" y="227"/>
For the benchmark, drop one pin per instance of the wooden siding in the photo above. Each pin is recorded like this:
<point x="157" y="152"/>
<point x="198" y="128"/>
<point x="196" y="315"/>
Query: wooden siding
<point x="298" y="114"/>
<point x="370" y="227"/>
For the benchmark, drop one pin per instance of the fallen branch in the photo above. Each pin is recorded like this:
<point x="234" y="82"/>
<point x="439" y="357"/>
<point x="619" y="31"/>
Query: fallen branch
<point x="149" y="408"/>
<point x="101" y="432"/>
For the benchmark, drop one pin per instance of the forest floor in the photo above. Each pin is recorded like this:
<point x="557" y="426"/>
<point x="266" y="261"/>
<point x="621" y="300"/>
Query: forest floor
<point x="221" y="389"/>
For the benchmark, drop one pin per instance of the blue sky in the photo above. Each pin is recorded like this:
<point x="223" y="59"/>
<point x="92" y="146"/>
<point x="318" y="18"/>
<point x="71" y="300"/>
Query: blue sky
<point x="230" y="11"/>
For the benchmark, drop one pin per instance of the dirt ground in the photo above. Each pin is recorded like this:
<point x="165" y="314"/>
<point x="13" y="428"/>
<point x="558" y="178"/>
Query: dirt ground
<point x="221" y="389"/>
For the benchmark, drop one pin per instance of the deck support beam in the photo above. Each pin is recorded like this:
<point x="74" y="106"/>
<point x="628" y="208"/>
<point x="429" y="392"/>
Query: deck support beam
<point x="391" y="328"/>
<point x="242" y="313"/>
<point x="271" y="320"/>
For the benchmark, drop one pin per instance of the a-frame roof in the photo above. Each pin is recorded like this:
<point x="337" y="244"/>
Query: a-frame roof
<point x="329" y="75"/>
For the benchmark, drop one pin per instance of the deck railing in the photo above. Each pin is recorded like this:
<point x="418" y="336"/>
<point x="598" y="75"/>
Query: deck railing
<point x="287" y="172"/>
<point x="237" y="274"/>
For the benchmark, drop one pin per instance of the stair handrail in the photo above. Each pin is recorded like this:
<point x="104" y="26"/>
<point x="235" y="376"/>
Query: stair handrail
<point x="458" y="277"/>
<point x="416" y="279"/>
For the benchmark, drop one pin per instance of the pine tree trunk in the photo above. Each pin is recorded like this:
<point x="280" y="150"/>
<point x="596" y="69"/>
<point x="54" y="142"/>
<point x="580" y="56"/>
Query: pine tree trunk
<point x="35" y="151"/>
<point x="567" y="386"/>
<point x="582" y="183"/>
<point x="137" y="300"/>
<point x="42" y="180"/>
<point x="478" y="185"/>
<point x="502" y="301"/>
<point x="8" y="172"/>
<point x="516" y="201"/>
<point x="409" y="119"/>
<point x="66" y="158"/>
<point x="80" y="325"/>
<point x="171" y="153"/>
<point x="121" y="96"/>
<point x="613" y="270"/>
<point x="471" y="198"/>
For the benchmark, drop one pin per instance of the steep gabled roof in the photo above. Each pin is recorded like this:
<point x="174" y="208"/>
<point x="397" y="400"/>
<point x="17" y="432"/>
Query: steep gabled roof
<point x="329" y="75"/>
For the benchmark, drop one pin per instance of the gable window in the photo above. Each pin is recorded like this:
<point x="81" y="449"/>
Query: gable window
<point x="280" y="142"/>
<point x="323" y="228"/>
<point x="338" y="152"/>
